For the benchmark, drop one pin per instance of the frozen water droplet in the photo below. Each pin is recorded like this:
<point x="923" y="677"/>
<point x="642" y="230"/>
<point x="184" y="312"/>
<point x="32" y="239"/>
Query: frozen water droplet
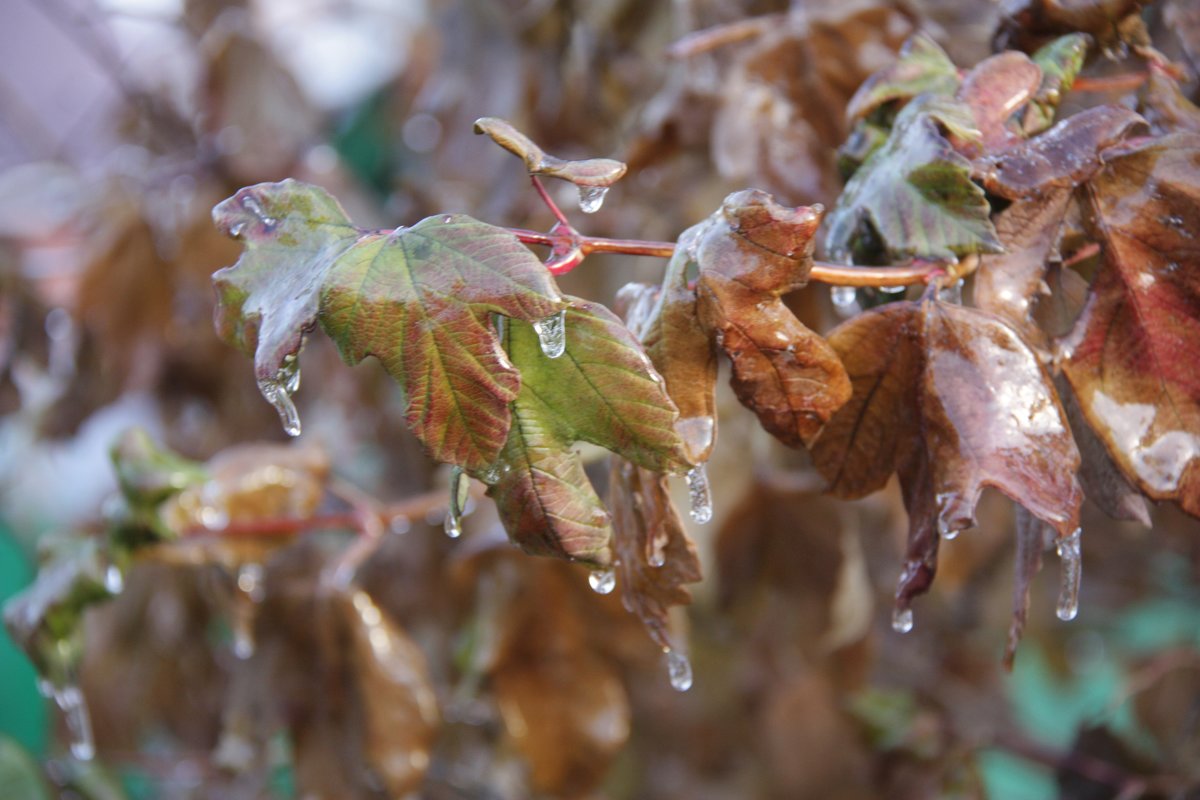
<point x="252" y="205"/>
<point x="278" y="392"/>
<point x="602" y="581"/>
<point x="243" y="636"/>
<point x="1070" y="553"/>
<point x="951" y="293"/>
<point x="591" y="198"/>
<point x="893" y="289"/>
<point x="114" y="581"/>
<point x="552" y="334"/>
<point x="236" y="229"/>
<point x="657" y="558"/>
<point x="949" y="534"/>
<point x="460" y="489"/>
<point x="902" y="620"/>
<point x="73" y="705"/>
<point x="699" y="494"/>
<point x="680" y="670"/>
<point x="845" y="300"/>
<point x="249" y="581"/>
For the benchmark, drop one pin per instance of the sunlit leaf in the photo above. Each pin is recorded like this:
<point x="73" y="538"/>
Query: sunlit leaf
<point x="1131" y="357"/>
<point x="923" y="67"/>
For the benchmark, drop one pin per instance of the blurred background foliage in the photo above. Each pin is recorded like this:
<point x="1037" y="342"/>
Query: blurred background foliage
<point x="224" y="667"/>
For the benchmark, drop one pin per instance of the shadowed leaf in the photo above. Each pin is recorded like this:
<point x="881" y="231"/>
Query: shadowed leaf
<point x="1131" y="357"/>
<point x="1060" y="61"/>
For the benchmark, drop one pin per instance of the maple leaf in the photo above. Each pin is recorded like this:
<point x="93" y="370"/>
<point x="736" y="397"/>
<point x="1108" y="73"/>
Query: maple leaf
<point x="603" y="390"/>
<point x="750" y="253"/>
<point x="915" y="192"/>
<point x="961" y="385"/>
<point x="1131" y="357"/>
<point x="419" y="299"/>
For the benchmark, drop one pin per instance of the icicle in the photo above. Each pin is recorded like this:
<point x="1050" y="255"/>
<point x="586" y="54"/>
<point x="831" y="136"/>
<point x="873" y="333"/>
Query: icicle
<point x="248" y="594"/>
<point x="902" y="620"/>
<point x="552" y="334"/>
<point x="114" y="581"/>
<point x="845" y="301"/>
<point x="951" y="293"/>
<point x="602" y="581"/>
<point x="591" y="198"/>
<point x="460" y="489"/>
<point x="279" y="390"/>
<point x="679" y="669"/>
<point x="73" y="705"/>
<point x="1069" y="552"/>
<point x="700" y="494"/>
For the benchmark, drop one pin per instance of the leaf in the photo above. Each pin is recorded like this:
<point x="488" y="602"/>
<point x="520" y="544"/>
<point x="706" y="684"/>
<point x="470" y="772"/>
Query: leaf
<point x="1166" y="107"/>
<point x="1060" y="62"/>
<point x="923" y="67"/>
<point x="750" y="253"/>
<point x="604" y="390"/>
<point x="995" y="90"/>
<point x="1131" y="357"/>
<point x="1063" y="157"/>
<point x="20" y="774"/>
<point x="982" y="409"/>
<point x="654" y="555"/>
<point x="915" y="193"/>
<point x="419" y="299"/>
<point x="1025" y="21"/>
<point x="400" y="710"/>
<point x="147" y="473"/>
<point x="601" y="172"/>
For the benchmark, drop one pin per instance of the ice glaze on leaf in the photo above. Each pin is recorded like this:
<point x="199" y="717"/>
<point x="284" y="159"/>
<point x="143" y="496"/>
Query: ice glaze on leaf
<point x="419" y="300"/>
<point x="269" y="299"/>
<point x="915" y="193"/>
<point x="655" y="557"/>
<point x="1060" y="62"/>
<point x="923" y="67"/>
<point x="1133" y="353"/>
<point x="1061" y="158"/>
<point x="996" y="89"/>
<point x="750" y="253"/>
<point x="603" y="390"/>
<point x="981" y="407"/>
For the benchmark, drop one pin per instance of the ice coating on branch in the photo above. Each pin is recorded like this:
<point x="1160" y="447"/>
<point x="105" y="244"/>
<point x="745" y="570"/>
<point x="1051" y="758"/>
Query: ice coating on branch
<point x="951" y="293"/>
<point x="602" y="581"/>
<point x="459" y="492"/>
<point x="699" y="494"/>
<point x="278" y="392"/>
<point x="902" y="620"/>
<point x="679" y="670"/>
<point x="552" y="334"/>
<point x="73" y="705"/>
<point x="591" y="198"/>
<point x="1069" y="552"/>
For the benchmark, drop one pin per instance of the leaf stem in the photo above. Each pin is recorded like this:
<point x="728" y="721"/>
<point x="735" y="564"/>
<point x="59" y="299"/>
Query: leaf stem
<point x="915" y="271"/>
<point x="549" y="201"/>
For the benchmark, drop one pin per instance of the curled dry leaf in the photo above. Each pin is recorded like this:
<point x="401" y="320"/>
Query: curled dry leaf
<point x="655" y="557"/>
<point x="750" y="253"/>
<point x="599" y="172"/>
<point x="915" y="193"/>
<point x="1131" y="357"/>
<point x="602" y="389"/>
<point x="418" y="299"/>
<point x="1060" y="62"/>
<point x="995" y="90"/>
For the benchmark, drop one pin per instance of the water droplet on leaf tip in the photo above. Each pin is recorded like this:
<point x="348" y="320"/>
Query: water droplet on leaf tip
<point x="699" y="494"/>
<point x="949" y="534"/>
<point x="71" y="701"/>
<point x="657" y="558"/>
<point x="902" y="620"/>
<point x="277" y="395"/>
<point x="591" y="198"/>
<point x="114" y="581"/>
<point x="679" y="669"/>
<point x="602" y="581"/>
<point x="453" y="526"/>
<point x="552" y="334"/>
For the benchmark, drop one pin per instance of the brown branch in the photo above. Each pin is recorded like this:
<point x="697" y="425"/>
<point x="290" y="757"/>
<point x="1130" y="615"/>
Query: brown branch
<point x="702" y="41"/>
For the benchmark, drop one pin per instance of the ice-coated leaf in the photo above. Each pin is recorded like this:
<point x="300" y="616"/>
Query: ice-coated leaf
<point x="1061" y="158"/>
<point x="921" y="548"/>
<point x="996" y="89"/>
<point x="915" y="194"/>
<point x="602" y="390"/>
<point x="981" y="407"/>
<point x="751" y="252"/>
<point x="1132" y="355"/>
<point x="420" y="301"/>
<point x="597" y="173"/>
<point x="655" y="557"/>
<point x="269" y="299"/>
<point x="923" y="67"/>
<point x="1060" y="61"/>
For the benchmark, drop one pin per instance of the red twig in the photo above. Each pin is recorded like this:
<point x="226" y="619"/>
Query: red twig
<point x="1082" y="254"/>
<point x="549" y="201"/>
<point x="1110" y="83"/>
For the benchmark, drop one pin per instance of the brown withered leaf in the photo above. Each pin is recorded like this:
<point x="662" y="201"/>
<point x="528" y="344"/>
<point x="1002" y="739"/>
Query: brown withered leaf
<point x="751" y="252"/>
<point x="996" y="89"/>
<point x="921" y="548"/>
<point x="1131" y="357"/>
<point x="598" y="172"/>
<point x="1008" y="284"/>
<point x="1026" y="21"/>
<point x="1166" y="107"/>
<point x="655" y="557"/>
<point x="1061" y="158"/>
<point x="983" y="409"/>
